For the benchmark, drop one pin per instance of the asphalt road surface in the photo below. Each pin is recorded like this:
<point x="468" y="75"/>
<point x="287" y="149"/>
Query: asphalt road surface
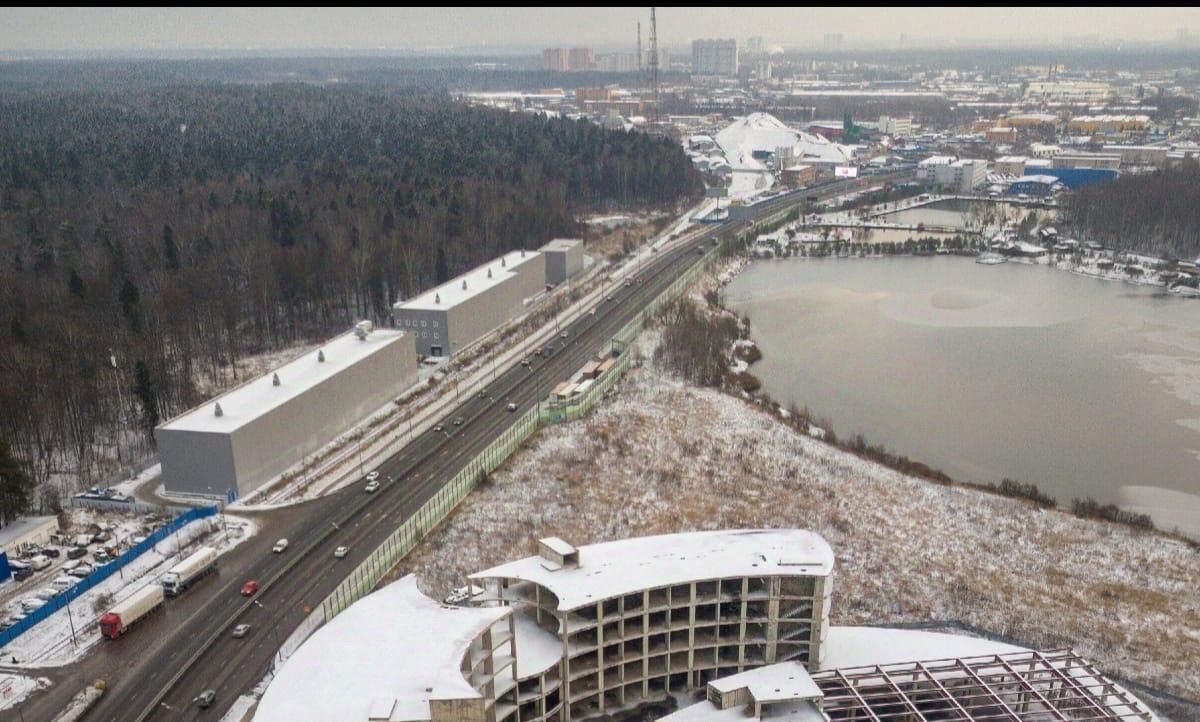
<point x="158" y="668"/>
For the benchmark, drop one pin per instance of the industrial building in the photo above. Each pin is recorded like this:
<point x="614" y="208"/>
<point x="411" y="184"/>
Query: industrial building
<point x="564" y="259"/>
<point x="1038" y="186"/>
<point x="960" y="176"/>
<point x="585" y="633"/>
<point x="715" y="57"/>
<point x="446" y="319"/>
<point x="27" y="531"/>
<point x="251" y="434"/>
<point x="896" y="127"/>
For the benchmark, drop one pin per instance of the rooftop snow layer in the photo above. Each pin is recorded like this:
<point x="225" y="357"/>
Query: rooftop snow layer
<point x="243" y="404"/>
<point x="765" y="133"/>
<point x="861" y="646"/>
<point x="393" y="649"/>
<point x="451" y="293"/>
<point x="614" y="568"/>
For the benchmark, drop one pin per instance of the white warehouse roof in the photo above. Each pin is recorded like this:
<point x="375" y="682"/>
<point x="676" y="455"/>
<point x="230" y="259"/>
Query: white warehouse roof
<point x="393" y="650"/>
<point x="451" y="293"/>
<point x="765" y="133"/>
<point x="614" y="568"/>
<point x="245" y="403"/>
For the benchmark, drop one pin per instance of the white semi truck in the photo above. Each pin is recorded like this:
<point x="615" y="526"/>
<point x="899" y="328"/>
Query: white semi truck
<point x="127" y="613"/>
<point x="180" y="577"/>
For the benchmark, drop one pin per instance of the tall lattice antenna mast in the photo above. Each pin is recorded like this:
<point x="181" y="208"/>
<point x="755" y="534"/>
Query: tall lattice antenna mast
<point x="654" y="63"/>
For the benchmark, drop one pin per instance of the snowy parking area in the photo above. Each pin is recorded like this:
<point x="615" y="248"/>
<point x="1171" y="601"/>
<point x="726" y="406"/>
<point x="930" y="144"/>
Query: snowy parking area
<point x="51" y="643"/>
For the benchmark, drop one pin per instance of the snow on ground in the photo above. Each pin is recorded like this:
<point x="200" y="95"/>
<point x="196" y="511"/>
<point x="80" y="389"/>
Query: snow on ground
<point x="907" y="550"/>
<point x="49" y="643"/>
<point x="16" y="687"/>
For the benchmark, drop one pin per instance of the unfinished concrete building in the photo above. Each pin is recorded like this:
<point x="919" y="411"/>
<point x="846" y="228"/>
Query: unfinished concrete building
<point x="639" y="619"/>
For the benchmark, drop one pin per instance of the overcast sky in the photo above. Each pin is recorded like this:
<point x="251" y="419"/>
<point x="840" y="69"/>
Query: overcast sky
<point x="440" y="28"/>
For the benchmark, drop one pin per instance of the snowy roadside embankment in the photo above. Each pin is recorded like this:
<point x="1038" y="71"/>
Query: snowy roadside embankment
<point x="664" y="456"/>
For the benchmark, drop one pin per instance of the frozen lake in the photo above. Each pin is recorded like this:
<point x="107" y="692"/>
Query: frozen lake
<point x="1084" y="387"/>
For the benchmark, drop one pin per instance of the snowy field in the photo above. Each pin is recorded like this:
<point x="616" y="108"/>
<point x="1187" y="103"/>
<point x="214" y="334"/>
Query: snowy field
<point x="907" y="550"/>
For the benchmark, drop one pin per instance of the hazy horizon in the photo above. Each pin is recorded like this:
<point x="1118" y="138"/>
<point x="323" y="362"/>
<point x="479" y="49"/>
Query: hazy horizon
<point x="115" y="30"/>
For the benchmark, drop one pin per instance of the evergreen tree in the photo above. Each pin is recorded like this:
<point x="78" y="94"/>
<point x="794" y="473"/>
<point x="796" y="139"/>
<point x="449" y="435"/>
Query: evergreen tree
<point x="147" y="395"/>
<point x="170" y="250"/>
<point x="16" y="486"/>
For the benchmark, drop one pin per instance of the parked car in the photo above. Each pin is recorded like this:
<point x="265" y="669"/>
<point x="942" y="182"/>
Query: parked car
<point x="371" y="486"/>
<point x="341" y="552"/>
<point x="101" y="556"/>
<point x="38" y="563"/>
<point x="280" y="546"/>
<point x="82" y="570"/>
<point x="22" y="574"/>
<point x="250" y="588"/>
<point x="205" y="699"/>
<point x="31" y="604"/>
<point x="76" y="552"/>
<point x="241" y="630"/>
<point x="52" y="552"/>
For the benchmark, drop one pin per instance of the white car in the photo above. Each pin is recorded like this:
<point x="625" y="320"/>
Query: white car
<point x="373" y="476"/>
<point x="241" y="630"/>
<point x="371" y="486"/>
<point x="280" y="546"/>
<point x="511" y="406"/>
<point x="340" y="552"/>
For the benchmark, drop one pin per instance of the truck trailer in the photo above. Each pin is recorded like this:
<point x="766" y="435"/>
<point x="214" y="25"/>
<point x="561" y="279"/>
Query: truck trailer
<point x="122" y="616"/>
<point x="180" y="577"/>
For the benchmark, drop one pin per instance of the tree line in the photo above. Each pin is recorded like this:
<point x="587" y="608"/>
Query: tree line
<point x="153" y="235"/>
<point x="1157" y="212"/>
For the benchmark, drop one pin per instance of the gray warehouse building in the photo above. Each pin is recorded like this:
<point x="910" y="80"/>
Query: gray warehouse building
<point x="564" y="259"/>
<point x="456" y="314"/>
<point x="249" y="435"/>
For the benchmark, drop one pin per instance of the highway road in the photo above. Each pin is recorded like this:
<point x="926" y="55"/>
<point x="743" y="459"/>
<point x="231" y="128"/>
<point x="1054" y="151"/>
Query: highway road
<point x="155" y="672"/>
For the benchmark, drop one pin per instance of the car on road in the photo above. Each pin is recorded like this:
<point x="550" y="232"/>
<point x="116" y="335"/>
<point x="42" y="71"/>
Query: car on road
<point x="526" y="362"/>
<point x="592" y="312"/>
<point x="483" y="393"/>
<point x="373" y="476"/>
<point x="371" y="486"/>
<point x="280" y="546"/>
<point x="241" y="630"/>
<point x="510" y="406"/>
<point x="458" y="421"/>
<point x="608" y="297"/>
<point x="250" y="588"/>
<point x="563" y="334"/>
<point x="438" y="429"/>
<point x="628" y="282"/>
<point x="341" y="552"/>
<point x="205" y="699"/>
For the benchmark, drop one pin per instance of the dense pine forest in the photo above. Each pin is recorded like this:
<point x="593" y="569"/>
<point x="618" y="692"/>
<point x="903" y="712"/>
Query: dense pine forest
<point x="1156" y="212"/>
<point x="149" y="235"/>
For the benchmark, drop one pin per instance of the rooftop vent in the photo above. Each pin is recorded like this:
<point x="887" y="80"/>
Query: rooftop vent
<point x="274" y="379"/>
<point x="503" y="262"/>
<point x="321" y="356"/>
<point x="362" y="328"/>
<point x="437" y="298"/>
<point x="557" y="554"/>
<point x="489" y="273"/>
<point x="217" y="411"/>
<point x="464" y="284"/>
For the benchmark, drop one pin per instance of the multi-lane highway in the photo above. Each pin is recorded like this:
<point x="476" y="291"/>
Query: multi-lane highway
<point x="155" y="672"/>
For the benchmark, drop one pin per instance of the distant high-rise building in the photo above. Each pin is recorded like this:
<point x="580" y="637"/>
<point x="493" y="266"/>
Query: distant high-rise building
<point x="755" y="44"/>
<point x="618" y="63"/>
<point x="715" y="57"/>
<point x="581" y="59"/>
<point x="555" y="59"/>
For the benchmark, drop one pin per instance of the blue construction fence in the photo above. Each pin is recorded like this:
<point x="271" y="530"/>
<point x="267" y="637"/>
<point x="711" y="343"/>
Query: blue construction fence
<point x="83" y="586"/>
